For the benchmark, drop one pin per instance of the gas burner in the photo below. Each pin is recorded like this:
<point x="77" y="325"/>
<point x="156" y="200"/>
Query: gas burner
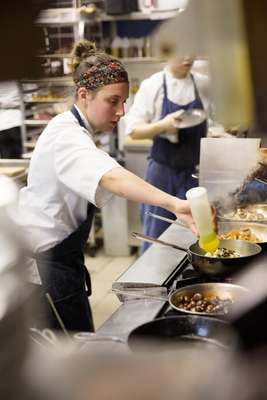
<point x="190" y="273"/>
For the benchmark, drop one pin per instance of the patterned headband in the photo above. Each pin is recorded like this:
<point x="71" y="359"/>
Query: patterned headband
<point x="102" y="74"/>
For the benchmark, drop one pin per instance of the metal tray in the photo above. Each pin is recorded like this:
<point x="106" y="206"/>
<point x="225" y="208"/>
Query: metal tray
<point x="255" y="208"/>
<point x="260" y="230"/>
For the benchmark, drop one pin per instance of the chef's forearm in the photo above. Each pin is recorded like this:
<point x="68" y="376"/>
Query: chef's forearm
<point x="147" y="131"/>
<point x="125" y="184"/>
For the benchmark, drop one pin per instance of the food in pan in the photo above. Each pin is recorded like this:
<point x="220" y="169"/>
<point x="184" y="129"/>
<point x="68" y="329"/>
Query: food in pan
<point x="222" y="252"/>
<point x="200" y="303"/>
<point x="241" y="234"/>
<point x="243" y="214"/>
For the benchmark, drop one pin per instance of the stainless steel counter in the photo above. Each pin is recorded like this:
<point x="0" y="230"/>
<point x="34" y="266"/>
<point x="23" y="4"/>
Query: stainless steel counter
<point x="154" y="268"/>
<point x="151" y="269"/>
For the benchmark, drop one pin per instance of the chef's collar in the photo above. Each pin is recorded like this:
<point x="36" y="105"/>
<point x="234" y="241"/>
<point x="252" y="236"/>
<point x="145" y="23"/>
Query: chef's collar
<point x="84" y="119"/>
<point x="170" y="75"/>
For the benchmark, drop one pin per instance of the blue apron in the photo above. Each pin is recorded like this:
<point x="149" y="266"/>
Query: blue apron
<point x="64" y="275"/>
<point x="172" y="164"/>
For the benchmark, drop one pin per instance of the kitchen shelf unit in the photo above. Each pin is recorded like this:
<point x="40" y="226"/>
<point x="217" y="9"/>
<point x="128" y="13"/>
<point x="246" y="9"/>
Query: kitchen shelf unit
<point x="38" y="111"/>
<point x="58" y="18"/>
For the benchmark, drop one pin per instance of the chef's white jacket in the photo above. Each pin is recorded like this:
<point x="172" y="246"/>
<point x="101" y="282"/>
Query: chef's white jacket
<point x="64" y="175"/>
<point x="148" y="100"/>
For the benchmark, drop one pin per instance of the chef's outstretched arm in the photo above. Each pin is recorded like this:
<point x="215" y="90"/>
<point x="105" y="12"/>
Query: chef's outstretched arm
<point x="125" y="184"/>
<point x="167" y="125"/>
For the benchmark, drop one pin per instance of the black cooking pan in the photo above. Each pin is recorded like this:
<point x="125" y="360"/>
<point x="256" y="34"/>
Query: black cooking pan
<point x="213" y="266"/>
<point x="186" y="331"/>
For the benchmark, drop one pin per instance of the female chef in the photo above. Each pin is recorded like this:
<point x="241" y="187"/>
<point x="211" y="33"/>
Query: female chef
<point x="174" y="153"/>
<point x="69" y="176"/>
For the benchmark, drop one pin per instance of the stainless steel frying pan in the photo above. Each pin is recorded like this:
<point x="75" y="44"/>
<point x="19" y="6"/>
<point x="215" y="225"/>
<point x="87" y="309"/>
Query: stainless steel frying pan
<point x="213" y="266"/>
<point x="260" y="230"/>
<point x="209" y="290"/>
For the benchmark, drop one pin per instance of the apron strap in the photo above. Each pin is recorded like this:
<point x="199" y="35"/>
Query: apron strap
<point x="87" y="275"/>
<point x="197" y="95"/>
<point x="77" y="116"/>
<point x="196" y="91"/>
<point x="87" y="282"/>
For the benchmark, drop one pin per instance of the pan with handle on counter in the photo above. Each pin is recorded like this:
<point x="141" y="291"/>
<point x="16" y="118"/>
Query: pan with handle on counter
<point x="246" y="320"/>
<point x="206" y="308"/>
<point x="182" y="332"/>
<point x="210" y="265"/>
<point x="236" y="230"/>
<point x="209" y="299"/>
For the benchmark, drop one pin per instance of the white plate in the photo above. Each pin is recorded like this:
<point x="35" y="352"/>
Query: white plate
<point x="191" y="118"/>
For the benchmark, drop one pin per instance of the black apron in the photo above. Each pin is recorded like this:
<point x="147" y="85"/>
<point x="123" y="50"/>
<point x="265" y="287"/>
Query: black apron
<point x="64" y="275"/>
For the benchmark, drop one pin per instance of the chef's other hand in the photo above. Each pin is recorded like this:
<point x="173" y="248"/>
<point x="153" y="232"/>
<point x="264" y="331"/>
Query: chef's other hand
<point x="168" y="123"/>
<point x="183" y="213"/>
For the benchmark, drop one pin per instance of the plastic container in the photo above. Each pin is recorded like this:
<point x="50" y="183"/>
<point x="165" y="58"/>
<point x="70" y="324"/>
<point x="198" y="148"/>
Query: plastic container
<point x="201" y="212"/>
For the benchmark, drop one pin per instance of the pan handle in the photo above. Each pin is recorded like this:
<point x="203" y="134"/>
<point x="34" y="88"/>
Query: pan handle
<point x="171" y="221"/>
<point x="139" y="295"/>
<point x="189" y="256"/>
<point x="150" y="239"/>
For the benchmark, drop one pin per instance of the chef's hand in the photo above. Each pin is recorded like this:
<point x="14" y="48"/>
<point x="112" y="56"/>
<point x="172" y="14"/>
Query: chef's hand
<point x="168" y="123"/>
<point x="183" y="213"/>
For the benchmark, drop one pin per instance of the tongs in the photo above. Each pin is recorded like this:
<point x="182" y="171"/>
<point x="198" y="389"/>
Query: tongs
<point x="261" y="180"/>
<point x="170" y="221"/>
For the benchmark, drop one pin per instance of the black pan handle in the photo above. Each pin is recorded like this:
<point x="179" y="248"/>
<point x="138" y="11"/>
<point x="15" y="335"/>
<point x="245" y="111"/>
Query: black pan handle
<point x="150" y="239"/>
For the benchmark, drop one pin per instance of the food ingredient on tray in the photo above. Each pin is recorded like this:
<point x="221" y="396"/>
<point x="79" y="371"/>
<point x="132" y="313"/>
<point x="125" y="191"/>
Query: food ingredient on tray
<point x="241" y="234"/>
<point x="201" y="303"/>
<point x="243" y="214"/>
<point x="222" y="252"/>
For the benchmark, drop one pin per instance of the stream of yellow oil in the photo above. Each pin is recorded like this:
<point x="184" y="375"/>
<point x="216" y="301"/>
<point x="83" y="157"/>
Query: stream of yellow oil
<point x="209" y="242"/>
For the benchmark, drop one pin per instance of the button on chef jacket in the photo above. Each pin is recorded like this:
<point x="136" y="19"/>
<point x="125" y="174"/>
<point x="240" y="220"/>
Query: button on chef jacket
<point x="64" y="175"/>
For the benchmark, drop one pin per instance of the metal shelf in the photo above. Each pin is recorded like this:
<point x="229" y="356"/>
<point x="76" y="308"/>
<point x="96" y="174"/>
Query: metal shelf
<point x="36" y="122"/>
<point x="68" y="16"/>
<point x="60" y="80"/>
<point x="59" y="17"/>
<point x="36" y="131"/>
<point x="125" y="60"/>
<point x="142" y="60"/>
<point x="138" y="15"/>
<point x="54" y="55"/>
<point x="45" y="101"/>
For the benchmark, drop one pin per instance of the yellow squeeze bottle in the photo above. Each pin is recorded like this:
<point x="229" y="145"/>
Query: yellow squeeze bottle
<point x="201" y="212"/>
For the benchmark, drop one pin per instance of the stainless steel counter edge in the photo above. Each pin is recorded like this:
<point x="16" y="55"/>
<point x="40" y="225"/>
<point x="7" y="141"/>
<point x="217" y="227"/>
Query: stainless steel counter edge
<point x="158" y="262"/>
<point x="129" y="315"/>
